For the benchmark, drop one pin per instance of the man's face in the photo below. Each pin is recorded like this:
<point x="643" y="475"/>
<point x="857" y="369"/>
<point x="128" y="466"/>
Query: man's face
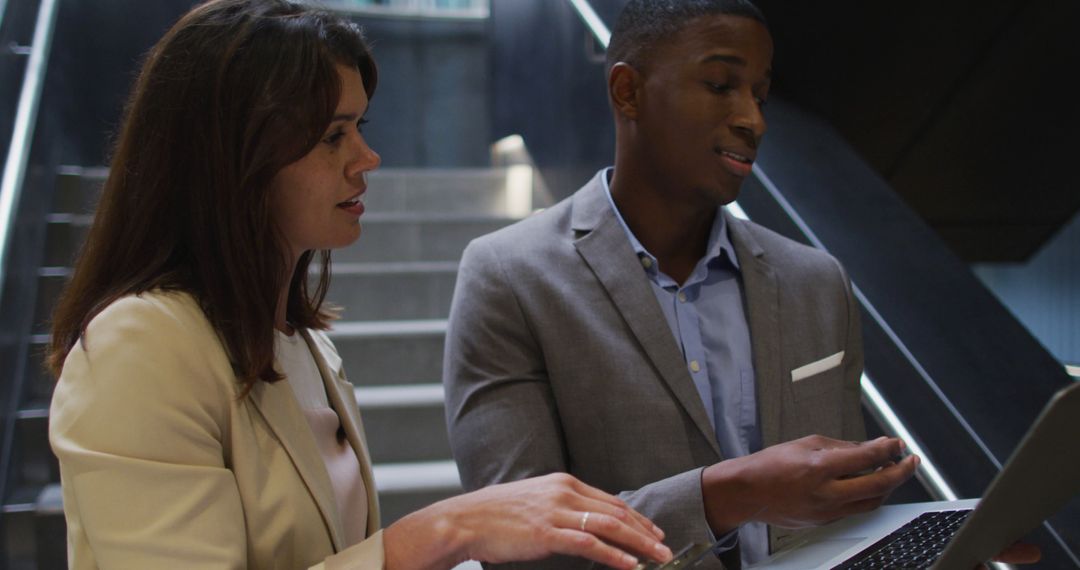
<point x="699" y="121"/>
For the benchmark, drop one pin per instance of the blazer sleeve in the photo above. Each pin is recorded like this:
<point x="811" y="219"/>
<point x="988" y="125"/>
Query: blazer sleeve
<point x="502" y="418"/>
<point x="501" y="415"/>
<point x="854" y="426"/>
<point x="137" y="423"/>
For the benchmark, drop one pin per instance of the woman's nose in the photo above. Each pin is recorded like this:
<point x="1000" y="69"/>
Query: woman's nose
<point x="366" y="160"/>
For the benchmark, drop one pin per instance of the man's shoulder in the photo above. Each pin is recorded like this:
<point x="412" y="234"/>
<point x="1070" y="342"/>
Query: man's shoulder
<point x="543" y="230"/>
<point x="788" y="255"/>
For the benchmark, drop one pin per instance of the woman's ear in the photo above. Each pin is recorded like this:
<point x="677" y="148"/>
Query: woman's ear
<point x="624" y="88"/>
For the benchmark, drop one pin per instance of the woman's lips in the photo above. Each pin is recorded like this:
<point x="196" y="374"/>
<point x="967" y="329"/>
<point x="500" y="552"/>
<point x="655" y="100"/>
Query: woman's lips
<point x="354" y="206"/>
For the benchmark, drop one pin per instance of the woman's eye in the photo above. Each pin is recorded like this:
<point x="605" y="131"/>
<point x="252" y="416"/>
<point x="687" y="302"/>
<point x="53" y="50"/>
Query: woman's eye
<point x="334" y="138"/>
<point x="360" y="124"/>
<point x="718" y="87"/>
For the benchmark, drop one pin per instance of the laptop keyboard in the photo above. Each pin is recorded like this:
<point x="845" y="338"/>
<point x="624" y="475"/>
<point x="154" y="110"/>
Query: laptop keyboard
<point x="915" y="545"/>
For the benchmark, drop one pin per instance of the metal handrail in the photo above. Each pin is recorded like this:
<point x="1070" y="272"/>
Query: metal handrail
<point x="592" y="21"/>
<point x="927" y="472"/>
<point x="411" y="10"/>
<point x="22" y="134"/>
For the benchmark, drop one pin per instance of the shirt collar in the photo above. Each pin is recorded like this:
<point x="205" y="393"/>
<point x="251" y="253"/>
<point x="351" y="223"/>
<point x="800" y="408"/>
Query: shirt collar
<point x="719" y="242"/>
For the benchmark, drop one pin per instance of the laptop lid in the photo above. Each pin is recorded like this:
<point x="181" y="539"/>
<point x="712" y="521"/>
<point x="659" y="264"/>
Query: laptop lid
<point x="1042" y="474"/>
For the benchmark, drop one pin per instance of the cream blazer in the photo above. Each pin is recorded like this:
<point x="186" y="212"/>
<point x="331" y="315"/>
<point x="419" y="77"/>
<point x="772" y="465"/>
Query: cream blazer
<point x="164" y="465"/>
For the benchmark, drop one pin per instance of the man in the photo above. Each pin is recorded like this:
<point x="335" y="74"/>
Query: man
<point x="640" y="338"/>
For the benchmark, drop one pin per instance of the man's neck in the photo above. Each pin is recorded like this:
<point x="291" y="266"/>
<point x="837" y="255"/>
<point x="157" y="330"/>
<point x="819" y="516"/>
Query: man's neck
<point x="675" y="232"/>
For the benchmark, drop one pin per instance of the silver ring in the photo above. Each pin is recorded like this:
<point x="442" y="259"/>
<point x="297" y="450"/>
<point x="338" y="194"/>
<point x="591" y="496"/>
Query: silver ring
<point x="584" y="520"/>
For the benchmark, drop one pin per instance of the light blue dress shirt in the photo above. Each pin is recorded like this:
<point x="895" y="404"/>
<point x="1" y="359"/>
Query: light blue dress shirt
<point x="707" y="319"/>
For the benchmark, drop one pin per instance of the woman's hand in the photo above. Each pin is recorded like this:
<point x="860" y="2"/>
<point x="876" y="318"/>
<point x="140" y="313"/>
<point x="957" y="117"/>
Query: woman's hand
<point x="524" y="520"/>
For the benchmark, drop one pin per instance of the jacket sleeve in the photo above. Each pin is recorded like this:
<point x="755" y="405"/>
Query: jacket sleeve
<point x="854" y="424"/>
<point x="137" y="424"/>
<point x="502" y="416"/>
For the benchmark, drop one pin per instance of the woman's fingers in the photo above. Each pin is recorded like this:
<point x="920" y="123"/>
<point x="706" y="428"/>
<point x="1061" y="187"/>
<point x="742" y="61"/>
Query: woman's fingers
<point x="617" y="531"/>
<point x="618" y="508"/>
<point x="576" y="543"/>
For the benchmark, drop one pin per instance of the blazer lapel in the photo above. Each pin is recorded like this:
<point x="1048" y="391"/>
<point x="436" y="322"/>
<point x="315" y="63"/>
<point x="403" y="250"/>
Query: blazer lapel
<point x="343" y="400"/>
<point x="608" y="253"/>
<point x="762" y="295"/>
<point x="277" y="405"/>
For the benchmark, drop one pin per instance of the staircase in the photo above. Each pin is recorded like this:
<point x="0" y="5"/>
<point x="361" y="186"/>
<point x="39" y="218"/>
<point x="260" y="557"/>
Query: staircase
<point x="394" y="286"/>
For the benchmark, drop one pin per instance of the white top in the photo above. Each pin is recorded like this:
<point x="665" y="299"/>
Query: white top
<point x="298" y="365"/>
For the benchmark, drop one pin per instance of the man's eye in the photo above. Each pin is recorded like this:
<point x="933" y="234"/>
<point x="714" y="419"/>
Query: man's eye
<point x="718" y="87"/>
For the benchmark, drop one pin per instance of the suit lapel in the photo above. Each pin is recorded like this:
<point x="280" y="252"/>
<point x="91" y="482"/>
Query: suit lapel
<point x="606" y="250"/>
<point x="277" y="405"/>
<point x="762" y="294"/>
<point x="343" y="400"/>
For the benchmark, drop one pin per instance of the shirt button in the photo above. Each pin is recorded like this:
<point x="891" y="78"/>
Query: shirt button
<point x="646" y="262"/>
<point x="682" y="299"/>
<point x="694" y="366"/>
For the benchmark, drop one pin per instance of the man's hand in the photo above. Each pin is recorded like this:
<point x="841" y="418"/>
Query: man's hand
<point x="1018" y="553"/>
<point x="805" y="482"/>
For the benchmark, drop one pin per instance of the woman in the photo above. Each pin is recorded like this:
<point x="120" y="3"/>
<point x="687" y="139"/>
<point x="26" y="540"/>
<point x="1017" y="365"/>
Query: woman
<point x="202" y="418"/>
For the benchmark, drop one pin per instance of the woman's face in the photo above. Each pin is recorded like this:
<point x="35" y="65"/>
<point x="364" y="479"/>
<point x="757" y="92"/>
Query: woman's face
<point x="317" y="200"/>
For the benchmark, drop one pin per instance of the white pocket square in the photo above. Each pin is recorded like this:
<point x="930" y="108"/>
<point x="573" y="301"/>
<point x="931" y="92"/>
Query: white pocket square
<point x="817" y="367"/>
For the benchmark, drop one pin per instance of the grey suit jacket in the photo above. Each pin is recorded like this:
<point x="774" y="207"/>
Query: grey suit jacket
<point x="558" y="358"/>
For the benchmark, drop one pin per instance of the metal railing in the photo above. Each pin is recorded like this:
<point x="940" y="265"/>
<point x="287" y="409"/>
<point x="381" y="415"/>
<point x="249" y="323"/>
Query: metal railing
<point x="23" y="131"/>
<point x="416" y="9"/>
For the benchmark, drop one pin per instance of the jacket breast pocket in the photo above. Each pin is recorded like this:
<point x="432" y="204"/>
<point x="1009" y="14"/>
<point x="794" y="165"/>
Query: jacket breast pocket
<point x="819" y="402"/>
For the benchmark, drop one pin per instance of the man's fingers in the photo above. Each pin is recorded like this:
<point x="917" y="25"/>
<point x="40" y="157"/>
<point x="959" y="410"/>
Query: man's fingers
<point x="874" y="485"/>
<point x="1020" y="553"/>
<point x="840" y="462"/>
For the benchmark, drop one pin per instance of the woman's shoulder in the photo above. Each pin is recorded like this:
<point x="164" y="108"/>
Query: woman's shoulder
<point x="156" y="349"/>
<point x="154" y="326"/>
<point x="156" y="306"/>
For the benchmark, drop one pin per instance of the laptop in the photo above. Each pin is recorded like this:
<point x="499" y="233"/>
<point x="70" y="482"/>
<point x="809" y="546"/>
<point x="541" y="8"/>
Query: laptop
<point x="1038" y="479"/>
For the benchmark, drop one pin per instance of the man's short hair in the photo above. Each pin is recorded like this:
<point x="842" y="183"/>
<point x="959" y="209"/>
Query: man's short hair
<point x="644" y="24"/>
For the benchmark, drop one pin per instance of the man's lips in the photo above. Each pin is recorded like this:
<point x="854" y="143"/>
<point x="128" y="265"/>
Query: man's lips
<point x="740" y="165"/>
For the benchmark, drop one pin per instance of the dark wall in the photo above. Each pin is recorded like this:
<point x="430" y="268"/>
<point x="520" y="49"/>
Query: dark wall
<point x="960" y="106"/>
<point x="549" y="88"/>
<point x="432" y="107"/>
<point x="96" y="53"/>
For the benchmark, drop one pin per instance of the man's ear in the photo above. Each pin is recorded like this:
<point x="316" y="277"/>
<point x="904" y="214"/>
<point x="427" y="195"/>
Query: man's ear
<point x="624" y="88"/>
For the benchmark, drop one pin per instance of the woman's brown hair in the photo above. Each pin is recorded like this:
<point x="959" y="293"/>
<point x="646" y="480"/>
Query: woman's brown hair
<point x="235" y="91"/>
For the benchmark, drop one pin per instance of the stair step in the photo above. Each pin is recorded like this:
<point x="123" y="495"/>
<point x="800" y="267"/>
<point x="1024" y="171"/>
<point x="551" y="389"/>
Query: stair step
<point x="407" y="487"/>
<point x="403" y="488"/>
<point x="403" y="236"/>
<point x="405" y="423"/>
<point x="412" y="395"/>
<point x="398" y="478"/>
<point x="375" y="353"/>
<point x="390" y="352"/>
<point x="505" y="192"/>
<point x="393" y="291"/>
<point x="365" y="291"/>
